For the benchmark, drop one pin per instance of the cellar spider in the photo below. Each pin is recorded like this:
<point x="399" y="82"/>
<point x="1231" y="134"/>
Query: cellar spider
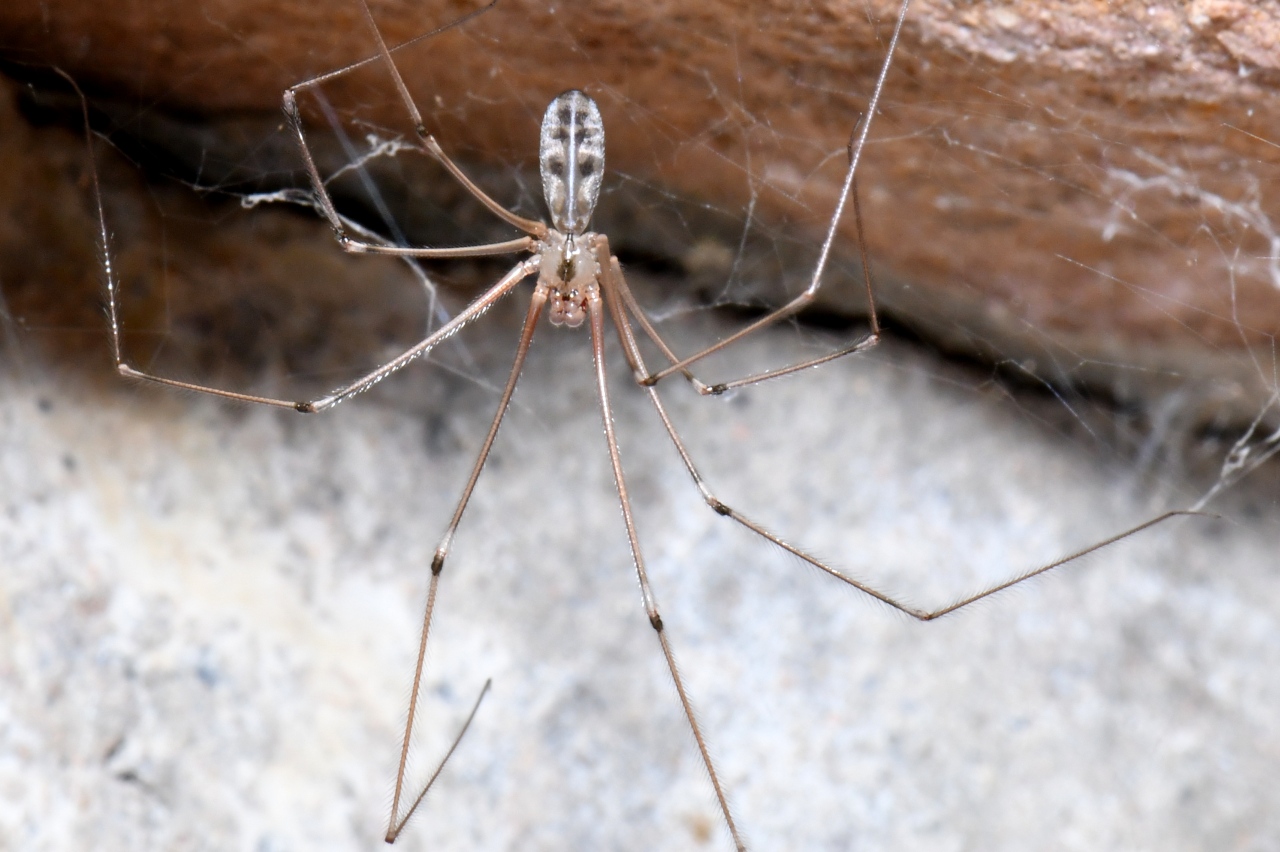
<point x="577" y="280"/>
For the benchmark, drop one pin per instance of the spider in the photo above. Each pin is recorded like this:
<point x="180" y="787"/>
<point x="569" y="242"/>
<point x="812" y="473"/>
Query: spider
<point x="577" y="280"/>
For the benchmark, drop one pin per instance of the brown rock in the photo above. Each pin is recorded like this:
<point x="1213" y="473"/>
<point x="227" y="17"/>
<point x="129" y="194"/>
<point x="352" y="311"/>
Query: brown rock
<point x="1085" y="191"/>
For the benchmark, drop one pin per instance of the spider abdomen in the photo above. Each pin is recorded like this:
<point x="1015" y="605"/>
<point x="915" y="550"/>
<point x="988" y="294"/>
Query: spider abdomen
<point x="571" y="159"/>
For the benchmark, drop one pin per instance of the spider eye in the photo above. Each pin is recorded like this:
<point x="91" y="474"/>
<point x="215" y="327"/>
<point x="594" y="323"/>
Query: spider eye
<point x="571" y="156"/>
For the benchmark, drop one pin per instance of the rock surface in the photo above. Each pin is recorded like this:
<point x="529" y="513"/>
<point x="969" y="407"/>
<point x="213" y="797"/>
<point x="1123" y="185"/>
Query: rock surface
<point x="208" y="618"/>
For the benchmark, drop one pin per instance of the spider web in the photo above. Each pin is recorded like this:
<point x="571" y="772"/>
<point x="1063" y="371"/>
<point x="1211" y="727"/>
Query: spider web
<point x="234" y="651"/>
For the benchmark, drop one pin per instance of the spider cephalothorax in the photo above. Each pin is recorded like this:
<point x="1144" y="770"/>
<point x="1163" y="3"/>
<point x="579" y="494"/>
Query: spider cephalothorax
<point x="569" y="270"/>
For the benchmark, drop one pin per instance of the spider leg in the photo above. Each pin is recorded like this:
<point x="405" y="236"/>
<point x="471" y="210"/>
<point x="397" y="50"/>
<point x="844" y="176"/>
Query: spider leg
<point x="397" y="822"/>
<point x="611" y="279"/>
<point x="469" y="314"/>
<point x="722" y="508"/>
<point x="329" y="210"/>
<point x="650" y="603"/>
<point x="627" y="298"/>
<point x="619" y="294"/>
<point x="815" y="279"/>
<point x="532" y="227"/>
<point x="368" y="60"/>
<point x="616" y="294"/>
<point x="861" y="345"/>
<point x="395" y="827"/>
<point x="504" y="247"/>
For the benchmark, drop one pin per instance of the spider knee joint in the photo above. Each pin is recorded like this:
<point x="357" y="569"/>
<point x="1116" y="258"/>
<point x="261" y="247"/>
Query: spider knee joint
<point x="656" y="621"/>
<point x="716" y="390"/>
<point x="437" y="564"/>
<point x="348" y="245"/>
<point x="718" y="507"/>
<point x="305" y="407"/>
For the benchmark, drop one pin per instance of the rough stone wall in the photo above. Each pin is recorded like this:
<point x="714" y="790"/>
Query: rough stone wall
<point x="1064" y="185"/>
